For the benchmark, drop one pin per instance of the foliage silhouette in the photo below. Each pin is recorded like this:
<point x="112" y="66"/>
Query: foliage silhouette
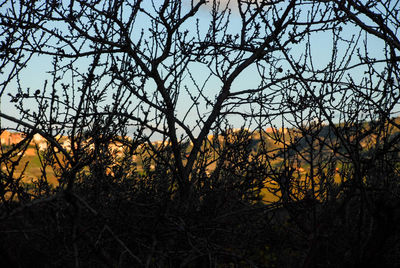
<point x="310" y="179"/>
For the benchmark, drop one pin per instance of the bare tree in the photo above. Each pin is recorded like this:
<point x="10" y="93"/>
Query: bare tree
<point x="313" y="87"/>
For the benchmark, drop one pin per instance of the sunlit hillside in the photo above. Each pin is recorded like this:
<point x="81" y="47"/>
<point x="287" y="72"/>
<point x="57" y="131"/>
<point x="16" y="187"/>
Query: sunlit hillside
<point x="274" y="148"/>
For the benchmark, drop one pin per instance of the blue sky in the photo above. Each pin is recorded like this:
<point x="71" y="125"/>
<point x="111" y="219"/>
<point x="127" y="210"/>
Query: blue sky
<point x="36" y="72"/>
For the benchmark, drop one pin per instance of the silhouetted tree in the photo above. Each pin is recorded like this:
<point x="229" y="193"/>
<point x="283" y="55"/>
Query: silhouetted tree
<point x="312" y="85"/>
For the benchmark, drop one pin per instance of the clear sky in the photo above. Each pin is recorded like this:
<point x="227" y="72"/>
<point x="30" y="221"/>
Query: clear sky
<point x="36" y="72"/>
